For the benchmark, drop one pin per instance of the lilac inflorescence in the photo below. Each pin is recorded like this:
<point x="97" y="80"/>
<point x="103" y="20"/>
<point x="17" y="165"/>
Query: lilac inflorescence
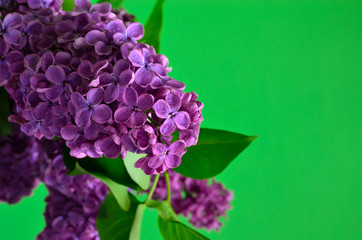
<point x="20" y="170"/>
<point x="83" y="76"/>
<point x="73" y="201"/>
<point x="201" y="202"/>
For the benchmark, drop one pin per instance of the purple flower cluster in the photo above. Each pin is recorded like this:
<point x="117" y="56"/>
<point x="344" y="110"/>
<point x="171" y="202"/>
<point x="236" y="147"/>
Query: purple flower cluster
<point x="203" y="203"/>
<point x="82" y="76"/>
<point x="20" y="170"/>
<point x="73" y="201"/>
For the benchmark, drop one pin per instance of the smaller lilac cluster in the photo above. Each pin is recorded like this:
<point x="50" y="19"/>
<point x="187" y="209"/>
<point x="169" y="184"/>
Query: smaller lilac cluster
<point x="20" y="171"/>
<point x="84" y="76"/>
<point x="73" y="201"/>
<point x="201" y="202"/>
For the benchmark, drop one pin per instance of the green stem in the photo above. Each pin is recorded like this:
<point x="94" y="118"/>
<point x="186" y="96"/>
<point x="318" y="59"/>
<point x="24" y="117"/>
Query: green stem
<point x="153" y="188"/>
<point x="167" y="178"/>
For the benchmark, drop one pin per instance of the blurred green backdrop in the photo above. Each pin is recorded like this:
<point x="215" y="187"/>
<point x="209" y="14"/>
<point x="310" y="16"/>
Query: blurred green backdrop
<point x="290" y="71"/>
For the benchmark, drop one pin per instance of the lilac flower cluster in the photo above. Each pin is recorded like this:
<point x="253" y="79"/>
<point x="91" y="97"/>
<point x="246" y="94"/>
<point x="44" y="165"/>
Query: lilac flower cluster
<point x="73" y="201"/>
<point x="20" y="170"/>
<point x="203" y="203"/>
<point x="83" y="76"/>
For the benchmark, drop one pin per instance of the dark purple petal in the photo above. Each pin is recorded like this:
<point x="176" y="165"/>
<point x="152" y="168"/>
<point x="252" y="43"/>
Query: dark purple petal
<point x="91" y="132"/>
<point x="144" y="77"/>
<point x="13" y="36"/>
<point x="123" y="114"/>
<point x="55" y="74"/>
<point x="102" y="8"/>
<point x="64" y="27"/>
<point x="182" y="120"/>
<point x="135" y="30"/>
<point x="136" y="58"/>
<point x="69" y="132"/>
<point x="46" y="60"/>
<point x="83" y="4"/>
<point x="110" y="148"/>
<point x="102" y="49"/>
<point x="177" y="147"/>
<point x="119" y="38"/>
<point x="168" y="127"/>
<point x="30" y="128"/>
<point x="105" y="79"/>
<point x="95" y="36"/>
<point x="120" y="66"/>
<point x="111" y="93"/>
<point x="54" y="93"/>
<point x="116" y="25"/>
<point x="145" y="101"/>
<point x="138" y="118"/>
<point x="82" y="117"/>
<point x="35" y="4"/>
<point x="125" y="78"/>
<point x="162" y="109"/>
<point x="130" y="97"/>
<point x="79" y="101"/>
<point x="102" y="113"/>
<point x="85" y="69"/>
<point x="40" y="110"/>
<point x="95" y="96"/>
<point x="174" y="102"/>
<point x="13" y="20"/>
<point x="63" y="58"/>
<point x="156" y="161"/>
<point x="4" y="48"/>
<point x="4" y="70"/>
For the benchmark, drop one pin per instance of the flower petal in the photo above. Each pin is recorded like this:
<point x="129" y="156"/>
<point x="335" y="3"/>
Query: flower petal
<point x="130" y="97"/>
<point x="156" y="161"/>
<point x="54" y="93"/>
<point x="168" y="127"/>
<point x="177" y="147"/>
<point x="162" y="109"/>
<point x="123" y="114"/>
<point x="116" y="25"/>
<point x="13" y="36"/>
<point x="85" y="69"/>
<point x="159" y="148"/>
<point x="95" y="96"/>
<point x="69" y="132"/>
<point x="94" y="36"/>
<point x="145" y="101"/>
<point x="125" y="78"/>
<point x="136" y="58"/>
<point x="102" y="113"/>
<point x="120" y="66"/>
<point x="135" y="30"/>
<point x="144" y="77"/>
<point x="111" y="93"/>
<point x="138" y="118"/>
<point x="82" y="117"/>
<point x="55" y="74"/>
<point x="79" y="101"/>
<point x="110" y="149"/>
<point x="13" y="20"/>
<point x="41" y="109"/>
<point x="182" y="120"/>
<point x="174" y="102"/>
<point x="172" y="160"/>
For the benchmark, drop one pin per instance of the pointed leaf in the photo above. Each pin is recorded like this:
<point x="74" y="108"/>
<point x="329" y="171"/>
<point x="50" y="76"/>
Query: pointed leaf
<point x="177" y="231"/>
<point x="135" y="233"/>
<point x="113" y="223"/>
<point x="137" y="175"/>
<point x="153" y="26"/>
<point x="213" y="153"/>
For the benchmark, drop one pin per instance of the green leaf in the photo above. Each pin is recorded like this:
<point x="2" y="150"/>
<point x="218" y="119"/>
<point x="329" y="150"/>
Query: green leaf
<point x="68" y="5"/>
<point x="136" y="226"/>
<point x="5" y="125"/>
<point x="113" y="223"/>
<point x="213" y="153"/>
<point x="137" y="174"/>
<point x="153" y="26"/>
<point x="177" y="231"/>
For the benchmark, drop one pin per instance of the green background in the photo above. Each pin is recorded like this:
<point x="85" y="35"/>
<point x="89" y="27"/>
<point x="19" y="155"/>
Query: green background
<point x="289" y="71"/>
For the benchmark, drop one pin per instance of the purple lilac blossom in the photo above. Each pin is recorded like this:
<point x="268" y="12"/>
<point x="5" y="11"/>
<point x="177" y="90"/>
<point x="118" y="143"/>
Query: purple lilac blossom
<point x="202" y="203"/>
<point x="20" y="170"/>
<point x="84" y="77"/>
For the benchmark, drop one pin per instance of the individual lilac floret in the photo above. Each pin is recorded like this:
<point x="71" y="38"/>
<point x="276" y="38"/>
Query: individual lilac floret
<point x="197" y="200"/>
<point x="167" y="157"/>
<point x="91" y="108"/>
<point x="169" y="110"/>
<point x="121" y="33"/>
<point x="9" y="28"/>
<point x="135" y="105"/>
<point x="20" y="170"/>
